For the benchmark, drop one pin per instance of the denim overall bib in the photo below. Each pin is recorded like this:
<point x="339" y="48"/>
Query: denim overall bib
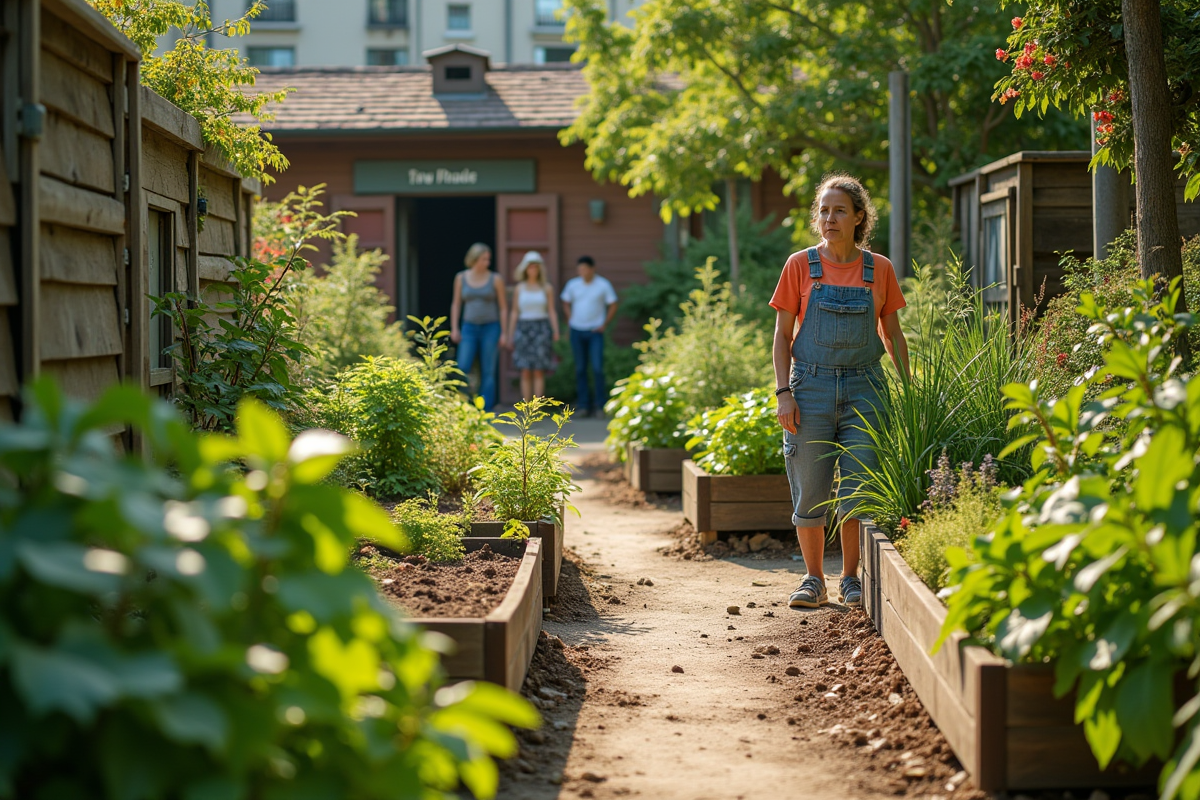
<point x="836" y="376"/>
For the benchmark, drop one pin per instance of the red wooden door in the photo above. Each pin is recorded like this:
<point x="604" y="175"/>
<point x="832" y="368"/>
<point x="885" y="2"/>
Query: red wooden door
<point x="375" y="225"/>
<point x="525" y="222"/>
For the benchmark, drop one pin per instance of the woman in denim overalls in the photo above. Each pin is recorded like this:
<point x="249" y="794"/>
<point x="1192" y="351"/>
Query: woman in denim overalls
<point x="829" y="375"/>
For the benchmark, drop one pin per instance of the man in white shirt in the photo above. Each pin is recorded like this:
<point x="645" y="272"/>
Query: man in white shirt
<point x="590" y="303"/>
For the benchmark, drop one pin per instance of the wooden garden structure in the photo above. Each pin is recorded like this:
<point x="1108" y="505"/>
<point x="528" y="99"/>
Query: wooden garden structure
<point x="107" y="194"/>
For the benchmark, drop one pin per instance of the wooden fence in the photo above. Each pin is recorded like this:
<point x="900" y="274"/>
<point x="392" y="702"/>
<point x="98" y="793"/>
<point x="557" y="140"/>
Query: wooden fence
<point x="103" y="188"/>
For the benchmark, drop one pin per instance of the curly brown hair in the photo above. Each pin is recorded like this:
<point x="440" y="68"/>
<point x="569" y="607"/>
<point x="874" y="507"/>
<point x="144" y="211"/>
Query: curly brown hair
<point x="859" y="196"/>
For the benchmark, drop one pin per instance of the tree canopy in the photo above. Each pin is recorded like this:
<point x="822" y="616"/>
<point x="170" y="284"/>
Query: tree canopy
<point x="697" y="90"/>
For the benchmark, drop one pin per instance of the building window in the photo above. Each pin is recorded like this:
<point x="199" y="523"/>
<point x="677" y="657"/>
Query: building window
<point x="160" y="226"/>
<point x="276" y="11"/>
<point x="552" y="55"/>
<point x="458" y="17"/>
<point x="271" y="56"/>
<point x="995" y="259"/>
<point x="388" y="13"/>
<point x="387" y="57"/>
<point x="458" y="73"/>
<point x="546" y="12"/>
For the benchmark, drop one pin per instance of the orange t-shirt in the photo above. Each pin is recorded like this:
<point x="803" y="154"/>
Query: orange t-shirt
<point x="795" y="285"/>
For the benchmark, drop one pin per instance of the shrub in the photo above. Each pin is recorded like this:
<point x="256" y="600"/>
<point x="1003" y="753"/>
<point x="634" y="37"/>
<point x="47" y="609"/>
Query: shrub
<point x="1093" y="566"/>
<point x="383" y="404"/>
<point x="526" y="477"/>
<point x="713" y="353"/>
<point x="953" y="402"/>
<point x="436" y="536"/>
<point x="560" y="383"/>
<point x="961" y="506"/>
<point x="645" y="409"/>
<point x="195" y="630"/>
<point x="741" y="437"/>
<point x="341" y="314"/>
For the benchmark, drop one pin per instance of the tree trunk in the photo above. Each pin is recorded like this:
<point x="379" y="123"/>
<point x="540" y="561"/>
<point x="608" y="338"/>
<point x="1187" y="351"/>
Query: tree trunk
<point x="731" y="215"/>
<point x="1159" y="245"/>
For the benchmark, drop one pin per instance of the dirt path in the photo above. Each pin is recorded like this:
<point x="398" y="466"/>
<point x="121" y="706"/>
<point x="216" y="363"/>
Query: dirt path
<point x="652" y="688"/>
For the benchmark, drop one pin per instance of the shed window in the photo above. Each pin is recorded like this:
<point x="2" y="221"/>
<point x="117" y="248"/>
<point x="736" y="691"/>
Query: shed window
<point x="458" y="17"/>
<point x="458" y="73"/>
<point x="995" y="256"/>
<point x="159" y="243"/>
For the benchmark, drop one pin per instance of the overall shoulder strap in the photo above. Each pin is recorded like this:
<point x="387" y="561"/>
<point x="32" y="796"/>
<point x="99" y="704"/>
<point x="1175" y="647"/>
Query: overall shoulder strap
<point x="814" y="263"/>
<point x="868" y="267"/>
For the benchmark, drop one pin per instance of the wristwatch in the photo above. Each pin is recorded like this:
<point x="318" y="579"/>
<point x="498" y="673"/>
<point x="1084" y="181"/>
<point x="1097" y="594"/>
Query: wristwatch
<point x="782" y="390"/>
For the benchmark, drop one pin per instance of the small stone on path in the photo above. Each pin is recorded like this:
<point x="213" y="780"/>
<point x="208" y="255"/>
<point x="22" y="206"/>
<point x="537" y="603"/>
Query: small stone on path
<point x="793" y="671"/>
<point x="733" y="611"/>
<point x="677" y="668"/>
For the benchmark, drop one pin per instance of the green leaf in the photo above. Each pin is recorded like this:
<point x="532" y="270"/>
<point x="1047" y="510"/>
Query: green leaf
<point x="262" y="432"/>
<point x="1021" y="629"/>
<point x="493" y="701"/>
<point x="1145" y="707"/>
<point x="62" y="565"/>
<point x="1103" y="733"/>
<point x="1167" y="462"/>
<point x="51" y="680"/>
<point x="1106" y="650"/>
<point x="192" y="718"/>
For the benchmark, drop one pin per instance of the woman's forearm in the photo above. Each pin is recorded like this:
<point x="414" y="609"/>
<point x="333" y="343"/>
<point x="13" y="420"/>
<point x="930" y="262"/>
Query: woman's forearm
<point x="781" y="359"/>
<point x="897" y="348"/>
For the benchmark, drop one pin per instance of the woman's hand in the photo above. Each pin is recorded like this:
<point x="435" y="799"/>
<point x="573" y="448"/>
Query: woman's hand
<point x="456" y="336"/>
<point x="788" y="412"/>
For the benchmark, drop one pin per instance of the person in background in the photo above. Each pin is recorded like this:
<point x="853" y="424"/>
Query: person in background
<point x="590" y="303"/>
<point x="477" y="316"/>
<point x="534" y="325"/>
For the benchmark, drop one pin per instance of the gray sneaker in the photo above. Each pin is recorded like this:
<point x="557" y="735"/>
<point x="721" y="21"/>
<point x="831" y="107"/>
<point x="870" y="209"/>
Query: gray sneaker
<point x="811" y="594"/>
<point x="851" y="591"/>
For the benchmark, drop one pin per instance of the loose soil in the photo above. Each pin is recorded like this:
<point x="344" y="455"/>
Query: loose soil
<point x="471" y="588"/>
<point x="689" y="677"/>
<point x="612" y="487"/>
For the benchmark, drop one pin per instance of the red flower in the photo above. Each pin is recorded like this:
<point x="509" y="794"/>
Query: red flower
<point x="1037" y="76"/>
<point x="1116" y="97"/>
<point x="1049" y="60"/>
<point x="1102" y="116"/>
<point x="1017" y="23"/>
<point x="1030" y="48"/>
<point x="1001" y="54"/>
<point x="1023" y="62"/>
<point x="1061" y="359"/>
<point x="904" y="523"/>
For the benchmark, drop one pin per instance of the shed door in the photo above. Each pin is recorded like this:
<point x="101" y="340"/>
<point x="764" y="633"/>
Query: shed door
<point x="375" y="226"/>
<point x="525" y="222"/>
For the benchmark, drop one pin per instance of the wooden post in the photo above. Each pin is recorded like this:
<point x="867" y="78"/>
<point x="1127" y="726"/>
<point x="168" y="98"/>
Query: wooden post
<point x="1110" y="204"/>
<point x="193" y="223"/>
<point x="29" y="45"/>
<point x="735" y="270"/>
<point x="900" y="172"/>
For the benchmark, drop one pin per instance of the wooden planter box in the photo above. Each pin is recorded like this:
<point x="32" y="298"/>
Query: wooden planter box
<point x="1002" y="720"/>
<point x="551" y="535"/>
<point x="654" y="469"/>
<point x="498" y="647"/>
<point x="734" y="502"/>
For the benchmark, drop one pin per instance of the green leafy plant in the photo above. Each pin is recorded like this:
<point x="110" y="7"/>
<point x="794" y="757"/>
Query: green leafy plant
<point x="645" y="409"/>
<point x="383" y="404"/>
<point x="515" y="529"/>
<point x="177" y="627"/>
<point x="1094" y="565"/>
<point x="211" y="85"/>
<point x="526" y="476"/>
<point x="740" y="437"/>
<point x="247" y="345"/>
<point x="436" y="536"/>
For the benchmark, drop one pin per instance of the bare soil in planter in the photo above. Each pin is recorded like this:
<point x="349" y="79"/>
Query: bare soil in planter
<point x="470" y="588"/>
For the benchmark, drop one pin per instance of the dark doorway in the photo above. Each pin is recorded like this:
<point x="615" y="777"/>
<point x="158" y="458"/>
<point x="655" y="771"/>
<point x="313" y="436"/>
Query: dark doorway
<point x="442" y="229"/>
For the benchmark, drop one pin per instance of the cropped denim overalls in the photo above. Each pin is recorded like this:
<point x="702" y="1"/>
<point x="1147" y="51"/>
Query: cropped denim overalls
<point x="836" y="376"/>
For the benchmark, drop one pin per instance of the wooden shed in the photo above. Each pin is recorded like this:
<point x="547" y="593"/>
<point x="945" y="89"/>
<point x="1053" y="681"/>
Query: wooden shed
<point x="1016" y="217"/>
<point x="102" y="187"/>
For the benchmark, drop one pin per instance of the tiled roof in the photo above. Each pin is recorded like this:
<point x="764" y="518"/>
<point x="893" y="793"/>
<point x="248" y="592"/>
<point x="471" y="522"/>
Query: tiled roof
<point x="364" y="99"/>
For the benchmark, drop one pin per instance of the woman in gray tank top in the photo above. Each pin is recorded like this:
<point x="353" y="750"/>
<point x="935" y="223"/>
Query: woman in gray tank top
<point x="477" y="317"/>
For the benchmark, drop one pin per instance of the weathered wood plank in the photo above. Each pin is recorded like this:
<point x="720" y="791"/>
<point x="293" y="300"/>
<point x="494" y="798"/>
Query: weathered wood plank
<point x="77" y="155"/>
<point x="76" y="47"/>
<point x="165" y="168"/>
<point x="214" y="160"/>
<point x="219" y="190"/>
<point x="751" y="516"/>
<point x="511" y="630"/>
<point x="8" y="203"/>
<point x="170" y="121"/>
<point x="74" y="256"/>
<point x="9" y="384"/>
<point x="8" y="282"/>
<point x="215" y="268"/>
<point x="94" y="25"/>
<point x="1059" y="758"/>
<point x="86" y="378"/>
<point x="63" y="204"/>
<point x="750" y="489"/>
<point x="217" y="238"/>
<point x="697" y="494"/>
<point x="79" y="322"/>
<point x="1031" y="700"/>
<point x="1062" y="196"/>
<point x="76" y="94"/>
<point x="467" y="660"/>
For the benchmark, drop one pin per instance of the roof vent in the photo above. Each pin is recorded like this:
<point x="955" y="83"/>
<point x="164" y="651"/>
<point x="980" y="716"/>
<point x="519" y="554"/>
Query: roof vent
<point x="458" y="70"/>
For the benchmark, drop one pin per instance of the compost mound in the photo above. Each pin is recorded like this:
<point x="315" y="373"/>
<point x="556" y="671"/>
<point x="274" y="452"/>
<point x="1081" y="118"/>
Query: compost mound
<point x="470" y="588"/>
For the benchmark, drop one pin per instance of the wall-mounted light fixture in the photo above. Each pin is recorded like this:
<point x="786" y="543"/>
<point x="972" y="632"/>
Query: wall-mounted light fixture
<point x="596" y="209"/>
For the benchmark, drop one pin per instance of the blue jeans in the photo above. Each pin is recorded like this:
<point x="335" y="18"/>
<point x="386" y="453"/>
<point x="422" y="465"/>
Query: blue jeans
<point x="588" y="347"/>
<point x="830" y="401"/>
<point x="482" y="341"/>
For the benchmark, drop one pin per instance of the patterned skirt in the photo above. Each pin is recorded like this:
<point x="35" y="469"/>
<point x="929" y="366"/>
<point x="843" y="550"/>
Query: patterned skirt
<point x="533" y="345"/>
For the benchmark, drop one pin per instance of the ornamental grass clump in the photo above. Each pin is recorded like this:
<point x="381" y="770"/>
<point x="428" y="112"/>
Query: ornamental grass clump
<point x="646" y="409"/>
<point x="1094" y="566"/>
<point x="187" y="623"/>
<point x="961" y="505"/>
<point x="525" y="477"/>
<point x="741" y="437"/>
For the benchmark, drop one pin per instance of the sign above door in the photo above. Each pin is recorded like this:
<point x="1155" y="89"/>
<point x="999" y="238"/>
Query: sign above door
<point x="449" y="176"/>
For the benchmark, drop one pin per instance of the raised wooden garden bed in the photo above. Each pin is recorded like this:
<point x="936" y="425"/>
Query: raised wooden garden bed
<point x="1002" y="720"/>
<point x="654" y="469"/>
<point x="548" y="531"/>
<point x="498" y="647"/>
<point x="715" y="503"/>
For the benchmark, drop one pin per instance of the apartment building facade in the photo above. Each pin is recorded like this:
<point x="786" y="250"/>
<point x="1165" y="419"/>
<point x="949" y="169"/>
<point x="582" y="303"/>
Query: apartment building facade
<point x="349" y="33"/>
